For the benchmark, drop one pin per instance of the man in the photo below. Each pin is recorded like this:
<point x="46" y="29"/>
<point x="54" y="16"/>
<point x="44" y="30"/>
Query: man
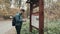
<point x="17" y="20"/>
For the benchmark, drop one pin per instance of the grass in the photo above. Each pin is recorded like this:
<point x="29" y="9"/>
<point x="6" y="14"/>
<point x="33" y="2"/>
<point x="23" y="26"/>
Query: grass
<point x="25" y="29"/>
<point x="50" y="27"/>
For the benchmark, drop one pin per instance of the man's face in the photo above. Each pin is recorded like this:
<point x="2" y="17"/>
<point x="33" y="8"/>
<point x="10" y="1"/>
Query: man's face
<point x="22" y="12"/>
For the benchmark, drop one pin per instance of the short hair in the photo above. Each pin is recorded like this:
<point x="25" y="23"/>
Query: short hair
<point x="23" y="10"/>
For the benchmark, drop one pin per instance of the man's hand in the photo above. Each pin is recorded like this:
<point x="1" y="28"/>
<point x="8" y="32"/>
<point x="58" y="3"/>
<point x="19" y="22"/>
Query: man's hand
<point x="24" y="20"/>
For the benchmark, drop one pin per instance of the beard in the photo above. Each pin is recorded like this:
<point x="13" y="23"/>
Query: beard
<point x="20" y="13"/>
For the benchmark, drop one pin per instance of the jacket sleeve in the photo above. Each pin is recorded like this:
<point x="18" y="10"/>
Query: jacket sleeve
<point x="21" y="19"/>
<point x="13" y="21"/>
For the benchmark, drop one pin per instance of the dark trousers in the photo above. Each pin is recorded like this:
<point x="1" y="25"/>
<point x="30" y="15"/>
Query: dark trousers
<point x="18" y="29"/>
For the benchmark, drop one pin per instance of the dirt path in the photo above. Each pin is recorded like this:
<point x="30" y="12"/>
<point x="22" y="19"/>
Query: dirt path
<point x="11" y="31"/>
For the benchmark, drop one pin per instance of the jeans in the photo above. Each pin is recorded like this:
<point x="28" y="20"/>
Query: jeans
<point x="18" y="29"/>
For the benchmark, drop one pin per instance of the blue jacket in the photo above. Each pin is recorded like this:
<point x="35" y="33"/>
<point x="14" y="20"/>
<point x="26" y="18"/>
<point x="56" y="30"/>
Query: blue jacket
<point x="17" y="20"/>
